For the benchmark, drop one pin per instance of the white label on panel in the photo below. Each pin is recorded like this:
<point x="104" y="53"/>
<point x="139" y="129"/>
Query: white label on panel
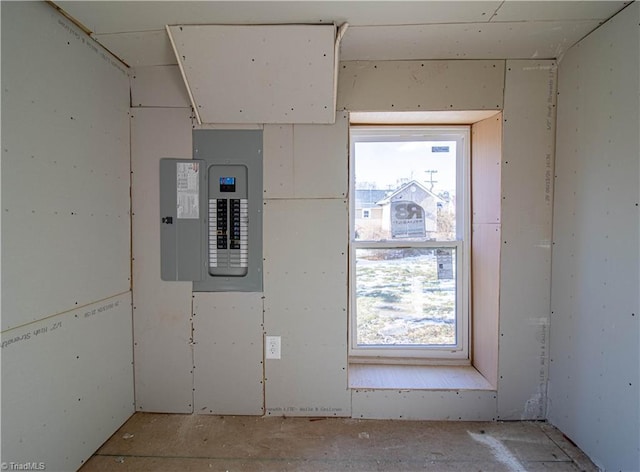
<point x="187" y="187"/>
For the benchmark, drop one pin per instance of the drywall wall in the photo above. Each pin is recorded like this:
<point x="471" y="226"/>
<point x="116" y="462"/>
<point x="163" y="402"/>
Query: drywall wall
<point x="594" y="370"/>
<point x="161" y="310"/>
<point x="228" y="354"/>
<point x="66" y="154"/>
<point x="525" y="90"/>
<point x="420" y="85"/>
<point x="67" y="384"/>
<point x="305" y="268"/>
<point x="305" y="218"/>
<point x="432" y="405"/>
<point x="305" y="280"/>
<point x="526" y="213"/>
<point x="193" y="351"/>
<point x="66" y="306"/>
<point x="139" y="48"/>
<point x="158" y="86"/>
<point x="205" y="354"/>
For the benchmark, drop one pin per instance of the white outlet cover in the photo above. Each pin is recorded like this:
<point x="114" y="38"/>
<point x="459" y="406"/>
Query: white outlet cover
<point x="272" y="347"/>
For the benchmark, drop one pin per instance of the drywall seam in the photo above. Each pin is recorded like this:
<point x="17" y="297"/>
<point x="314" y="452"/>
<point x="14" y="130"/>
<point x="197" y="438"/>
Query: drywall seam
<point x="184" y="76"/>
<point x="63" y="312"/>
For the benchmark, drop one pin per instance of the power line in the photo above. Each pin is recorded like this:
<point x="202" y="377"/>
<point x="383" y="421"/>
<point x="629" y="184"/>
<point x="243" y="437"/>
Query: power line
<point x="431" y="181"/>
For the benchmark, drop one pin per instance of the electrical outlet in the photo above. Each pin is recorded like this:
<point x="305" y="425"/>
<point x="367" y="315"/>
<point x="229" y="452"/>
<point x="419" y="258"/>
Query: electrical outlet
<point x="272" y="347"/>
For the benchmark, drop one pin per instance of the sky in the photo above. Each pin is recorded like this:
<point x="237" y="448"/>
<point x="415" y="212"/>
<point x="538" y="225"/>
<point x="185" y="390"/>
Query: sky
<point x="386" y="162"/>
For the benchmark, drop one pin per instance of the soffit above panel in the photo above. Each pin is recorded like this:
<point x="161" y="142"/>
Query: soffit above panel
<point x="275" y="73"/>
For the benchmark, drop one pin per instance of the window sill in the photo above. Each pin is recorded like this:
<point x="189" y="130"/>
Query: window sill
<point x="412" y="377"/>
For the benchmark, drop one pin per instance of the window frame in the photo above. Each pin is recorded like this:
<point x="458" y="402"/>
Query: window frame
<point x="458" y="354"/>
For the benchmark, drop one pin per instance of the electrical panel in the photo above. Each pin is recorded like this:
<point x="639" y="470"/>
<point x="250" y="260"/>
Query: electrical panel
<point x="228" y="220"/>
<point x="211" y="212"/>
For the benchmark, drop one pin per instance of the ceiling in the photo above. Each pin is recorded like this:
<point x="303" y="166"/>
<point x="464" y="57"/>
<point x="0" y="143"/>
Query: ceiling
<point x="378" y="30"/>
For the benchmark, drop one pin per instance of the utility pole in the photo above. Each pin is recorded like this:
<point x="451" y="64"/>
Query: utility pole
<point x="431" y="181"/>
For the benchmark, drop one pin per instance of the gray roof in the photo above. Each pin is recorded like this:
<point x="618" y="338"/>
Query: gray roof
<point x="400" y="189"/>
<point x="367" y="198"/>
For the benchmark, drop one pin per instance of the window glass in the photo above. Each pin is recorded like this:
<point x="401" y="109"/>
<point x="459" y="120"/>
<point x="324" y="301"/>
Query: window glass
<point x="406" y="296"/>
<point x="412" y="186"/>
<point x="408" y="270"/>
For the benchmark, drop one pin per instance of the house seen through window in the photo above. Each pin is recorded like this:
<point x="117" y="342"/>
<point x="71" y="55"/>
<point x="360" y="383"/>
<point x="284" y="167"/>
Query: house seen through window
<point x="409" y="235"/>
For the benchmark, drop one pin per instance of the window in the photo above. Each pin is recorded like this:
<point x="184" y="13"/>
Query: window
<point x="409" y="266"/>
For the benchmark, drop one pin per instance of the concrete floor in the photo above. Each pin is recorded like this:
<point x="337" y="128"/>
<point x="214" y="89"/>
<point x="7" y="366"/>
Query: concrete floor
<point x="162" y="442"/>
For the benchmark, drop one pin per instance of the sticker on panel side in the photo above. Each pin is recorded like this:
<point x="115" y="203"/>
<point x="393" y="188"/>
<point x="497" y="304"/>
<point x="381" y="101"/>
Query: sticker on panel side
<point x="188" y="188"/>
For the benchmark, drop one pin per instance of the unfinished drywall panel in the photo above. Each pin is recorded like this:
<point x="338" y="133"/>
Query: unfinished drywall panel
<point x="262" y="73"/>
<point x="549" y="11"/>
<point x="65" y="160"/>
<point x="320" y="156"/>
<point x="130" y="17"/>
<point x="525" y="262"/>
<point x="66" y="310"/>
<point x="306" y="161"/>
<point x="278" y="161"/>
<point x="494" y="40"/>
<point x="431" y="405"/>
<point x="67" y="384"/>
<point x="161" y="310"/>
<point x="305" y="286"/>
<point x="420" y="85"/>
<point x="140" y="48"/>
<point x="594" y="371"/>
<point x="228" y="354"/>
<point x="158" y="86"/>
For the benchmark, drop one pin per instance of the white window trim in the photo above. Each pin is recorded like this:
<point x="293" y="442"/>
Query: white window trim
<point x="419" y="354"/>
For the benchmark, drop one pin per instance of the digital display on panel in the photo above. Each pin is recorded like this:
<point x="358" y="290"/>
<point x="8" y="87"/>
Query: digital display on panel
<point x="227" y="184"/>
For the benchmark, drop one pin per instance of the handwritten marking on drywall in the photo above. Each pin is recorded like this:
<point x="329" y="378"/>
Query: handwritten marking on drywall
<point x="499" y="451"/>
<point x="90" y="44"/>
